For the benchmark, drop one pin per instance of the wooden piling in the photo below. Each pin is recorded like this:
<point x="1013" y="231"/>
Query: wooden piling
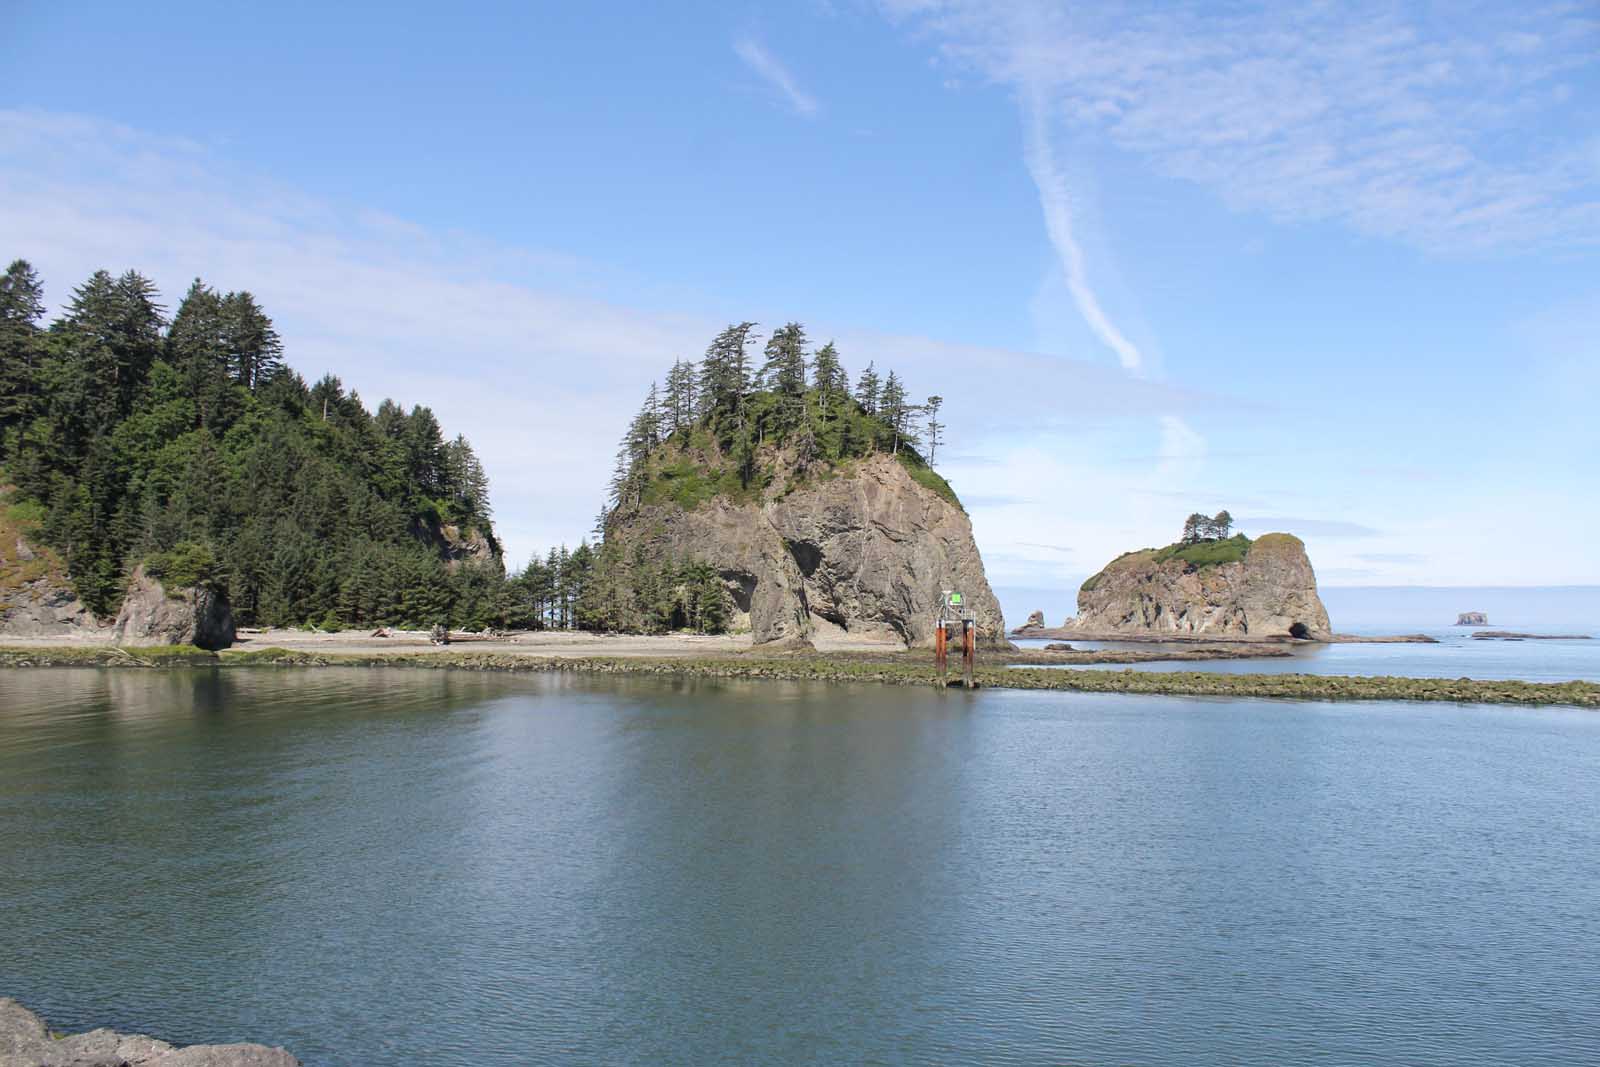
<point x="969" y="649"/>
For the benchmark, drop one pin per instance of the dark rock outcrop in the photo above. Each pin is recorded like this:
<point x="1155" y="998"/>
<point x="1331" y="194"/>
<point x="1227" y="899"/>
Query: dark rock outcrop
<point x="25" y="1041"/>
<point x="1472" y="618"/>
<point x="198" y="615"/>
<point x="1269" y="594"/>
<point x="456" y="545"/>
<point x="867" y="551"/>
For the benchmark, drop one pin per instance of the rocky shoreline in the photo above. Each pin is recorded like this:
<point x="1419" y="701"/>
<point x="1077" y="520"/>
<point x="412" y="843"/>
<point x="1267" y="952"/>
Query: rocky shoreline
<point x="910" y="669"/>
<point x="25" y="1041"/>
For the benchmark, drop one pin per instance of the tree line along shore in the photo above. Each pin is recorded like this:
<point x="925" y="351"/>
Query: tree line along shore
<point x="888" y="668"/>
<point x="181" y="442"/>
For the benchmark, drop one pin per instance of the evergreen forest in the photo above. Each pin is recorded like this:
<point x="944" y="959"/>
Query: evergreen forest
<point x="184" y="442"/>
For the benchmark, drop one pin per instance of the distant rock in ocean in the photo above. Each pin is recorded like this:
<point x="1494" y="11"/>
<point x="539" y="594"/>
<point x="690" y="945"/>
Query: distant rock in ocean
<point x="1035" y="622"/>
<point x="1472" y="618"/>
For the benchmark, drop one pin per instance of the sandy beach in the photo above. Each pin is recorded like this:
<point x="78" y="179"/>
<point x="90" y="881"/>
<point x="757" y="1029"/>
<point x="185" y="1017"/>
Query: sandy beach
<point x="542" y="644"/>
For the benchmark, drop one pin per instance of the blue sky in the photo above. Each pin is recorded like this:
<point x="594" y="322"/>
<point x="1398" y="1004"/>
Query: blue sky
<point x="1335" y="268"/>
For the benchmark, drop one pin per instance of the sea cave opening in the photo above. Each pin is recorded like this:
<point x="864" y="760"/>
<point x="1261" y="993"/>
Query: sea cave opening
<point x="1300" y="631"/>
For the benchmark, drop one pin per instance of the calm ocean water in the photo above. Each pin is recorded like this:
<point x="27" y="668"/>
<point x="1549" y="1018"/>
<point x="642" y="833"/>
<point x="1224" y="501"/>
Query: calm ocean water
<point x="452" y="869"/>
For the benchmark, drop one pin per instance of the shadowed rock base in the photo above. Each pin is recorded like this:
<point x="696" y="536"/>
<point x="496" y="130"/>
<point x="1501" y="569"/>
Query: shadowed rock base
<point x="25" y="1041"/>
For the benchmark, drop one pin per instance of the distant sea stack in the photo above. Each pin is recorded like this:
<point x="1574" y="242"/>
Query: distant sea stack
<point x="785" y="504"/>
<point x="1228" y="588"/>
<point x="1472" y="618"/>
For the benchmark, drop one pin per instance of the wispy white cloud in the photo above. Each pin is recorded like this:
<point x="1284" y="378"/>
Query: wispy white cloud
<point x="1460" y="129"/>
<point x="1056" y="201"/>
<point x="775" y="74"/>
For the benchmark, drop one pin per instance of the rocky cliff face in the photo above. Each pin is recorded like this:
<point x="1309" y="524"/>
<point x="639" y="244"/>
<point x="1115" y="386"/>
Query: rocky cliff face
<point x="36" y="600"/>
<point x="866" y="550"/>
<point x="26" y="1042"/>
<point x="1270" y="593"/>
<point x="456" y="545"/>
<point x="44" y="607"/>
<point x="197" y="616"/>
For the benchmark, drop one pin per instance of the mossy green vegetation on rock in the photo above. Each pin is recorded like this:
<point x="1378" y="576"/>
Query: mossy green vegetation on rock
<point x="1196" y="553"/>
<point x="1207" y="553"/>
<point x="21" y="563"/>
<point x="929" y="478"/>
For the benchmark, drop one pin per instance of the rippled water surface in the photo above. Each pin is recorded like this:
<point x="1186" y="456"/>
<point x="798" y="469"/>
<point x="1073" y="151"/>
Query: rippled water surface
<point x="451" y="869"/>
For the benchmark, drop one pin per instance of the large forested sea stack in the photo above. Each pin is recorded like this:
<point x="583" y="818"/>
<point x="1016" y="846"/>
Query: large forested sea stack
<point x="1211" y="584"/>
<point x="779" y="499"/>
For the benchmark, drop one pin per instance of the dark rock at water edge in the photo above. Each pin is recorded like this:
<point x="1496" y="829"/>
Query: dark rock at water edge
<point x="25" y="1041"/>
<point x="198" y="616"/>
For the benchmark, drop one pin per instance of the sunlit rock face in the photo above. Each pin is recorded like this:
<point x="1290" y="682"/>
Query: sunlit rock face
<point x="1270" y="594"/>
<point x="867" y="550"/>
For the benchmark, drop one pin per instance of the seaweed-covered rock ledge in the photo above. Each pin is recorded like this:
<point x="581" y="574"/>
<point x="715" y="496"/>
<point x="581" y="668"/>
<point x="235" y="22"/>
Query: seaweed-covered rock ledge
<point x="25" y="1041"/>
